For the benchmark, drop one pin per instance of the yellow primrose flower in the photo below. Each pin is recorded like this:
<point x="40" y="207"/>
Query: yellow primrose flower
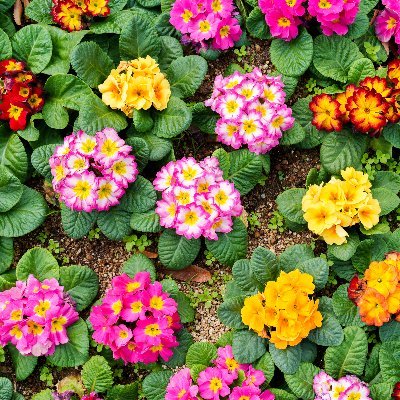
<point x="311" y="197"/>
<point x="253" y="312"/>
<point x="335" y="235"/>
<point x="114" y="91"/>
<point x="382" y="277"/>
<point x="140" y="93"/>
<point x="162" y="92"/>
<point x="356" y="178"/>
<point x="320" y="217"/>
<point x="369" y="213"/>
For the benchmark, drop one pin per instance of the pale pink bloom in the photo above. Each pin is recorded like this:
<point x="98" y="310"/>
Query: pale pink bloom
<point x="167" y="209"/>
<point x="250" y="127"/>
<point x="230" y="106"/>
<point x="66" y="147"/>
<point x="322" y="383"/>
<point x="108" y="194"/>
<point x="85" y="144"/>
<point x="110" y="146"/>
<point x="165" y="178"/>
<point x="250" y="90"/>
<point x="183" y="195"/>
<point x="188" y="170"/>
<point x="122" y="170"/>
<point x="224" y="195"/>
<point x="228" y="133"/>
<point x="76" y="163"/>
<point x="192" y="219"/>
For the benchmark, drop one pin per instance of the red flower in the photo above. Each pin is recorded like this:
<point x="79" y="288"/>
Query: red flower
<point x="356" y="289"/>
<point x="394" y="72"/>
<point x="396" y="391"/>
<point x="19" y="93"/>
<point x="11" y="66"/>
<point x="68" y="15"/>
<point x="379" y="85"/>
<point x="16" y="113"/>
<point x="326" y="112"/>
<point x="36" y="100"/>
<point x="24" y="77"/>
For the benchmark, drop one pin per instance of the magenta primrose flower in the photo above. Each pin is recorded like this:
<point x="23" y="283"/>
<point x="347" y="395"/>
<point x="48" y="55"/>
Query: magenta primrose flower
<point x="206" y="24"/>
<point x="219" y="381"/>
<point x="92" y="172"/>
<point x="387" y="23"/>
<point x="137" y="320"/>
<point x="196" y="200"/>
<point x="34" y="316"/>
<point x="284" y="17"/>
<point x="252" y="110"/>
<point x="346" y="388"/>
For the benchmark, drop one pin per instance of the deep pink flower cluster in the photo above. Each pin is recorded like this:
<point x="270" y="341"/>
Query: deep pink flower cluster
<point x="196" y="200"/>
<point x="34" y="316"/>
<point x="284" y="17"/>
<point x="348" y="387"/>
<point x="206" y="23"/>
<point x="219" y="381"/>
<point x="137" y="320"/>
<point x="387" y="23"/>
<point x="252" y="110"/>
<point x="92" y="172"/>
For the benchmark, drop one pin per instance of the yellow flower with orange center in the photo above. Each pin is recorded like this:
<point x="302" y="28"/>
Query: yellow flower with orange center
<point x="326" y="112"/>
<point x="373" y="308"/>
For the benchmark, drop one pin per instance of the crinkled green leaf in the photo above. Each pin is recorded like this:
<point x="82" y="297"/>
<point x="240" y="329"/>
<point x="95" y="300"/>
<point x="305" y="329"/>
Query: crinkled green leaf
<point x="38" y="262"/>
<point x="301" y="382"/>
<point x="137" y="263"/>
<point x="77" y="224"/>
<point x="97" y="375"/>
<point x="13" y="155"/>
<point x="247" y="346"/>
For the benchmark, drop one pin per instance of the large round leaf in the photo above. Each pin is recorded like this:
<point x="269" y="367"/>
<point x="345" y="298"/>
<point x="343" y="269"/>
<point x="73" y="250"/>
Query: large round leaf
<point x="247" y="346"/>
<point x="293" y="58"/>
<point x="146" y="222"/>
<point x="77" y="224"/>
<point x="23" y="365"/>
<point x="175" y="251"/>
<point x="289" y="204"/>
<point x="389" y="360"/>
<point x="5" y="46"/>
<point x="10" y="190"/>
<point x="97" y="375"/>
<point x="140" y="196"/>
<point x="33" y="44"/>
<point x="287" y="360"/>
<point x="38" y="262"/>
<point x="301" y="382"/>
<point x="155" y="384"/>
<point x="138" y="263"/>
<point x="25" y="216"/>
<point x="13" y="155"/>
<point x="115" y="223"/>
<point x="81" y="283"/>
<point x="76" y="351"/>
<point x="6" y="253"/>
<point x="231" y="246"/>
<point x="329" y="334"/>
<point x="171" y="50"/>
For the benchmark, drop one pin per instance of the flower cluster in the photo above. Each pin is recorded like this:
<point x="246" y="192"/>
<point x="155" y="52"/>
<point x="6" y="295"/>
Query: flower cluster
<point x="338" y="204"/>
<point x="137" y="320"/>
<point x="284" y="17"/>
<point x="348" y="387"/>
<point x="252" y="110"/>
<point x="284" y="313"/>
<point x="70" y="395"/>
<point x="34" y="316"/>
<point x="136" y="85"/>
<point x="369" y="107"/>
<point x="92" y="172"/>
<point x="387" y="23"/>
<point x="219" y="381"/>
<point x="196" y="200"/>
<point x="73" y="15"/>
<point x="20" y="93"/>
<point x="209" y="23"/>
<point x="377" y="295"/>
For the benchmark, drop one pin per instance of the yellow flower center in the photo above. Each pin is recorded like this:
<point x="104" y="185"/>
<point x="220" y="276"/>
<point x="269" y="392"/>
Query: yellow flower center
<point x="42" y="308"/>
<point x="221" y="198"/>
<point x="187" y="15"/>
<point x="204" y="26"/>
<point x="119" y="167"/>
<point x="16" y="315"/>
<point x="16" y="332"/>
<point x="216" y="6"/>
<point x="123" y="334"/>
<point x="109" y="148"/>
<point x="105" y="191"/>
<point x="277" y="122"/>
<point x="232" y="106"/>
<point x="284" y="22"/>
<point x="88" y="146"/>
<point x="189" y="173"/>
<point x="15" y="112"/>
<point x="181" y="393"/>
<point x="215" y="384"/>
<point x="82" y="190"/>
<point x="157" y="303"/>
<point x="34" y="328"/>
<point x="249" y="127"/>
<point x="152" y="330"/>
<point x="57" y="324"/>
<point x="79" y="163"/>
<point x="131" y="286"/>
<point x="191" y="218"/>
<point x="391" y="23"/>
<point x="117" y="307"/>
<point x="324" y="4"/>
<point x="136" y="307"/>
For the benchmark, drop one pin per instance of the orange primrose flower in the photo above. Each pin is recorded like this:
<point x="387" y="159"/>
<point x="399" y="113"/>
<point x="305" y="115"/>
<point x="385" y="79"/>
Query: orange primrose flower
<point x="373" y="308"/>
<point x="326" y="112"/>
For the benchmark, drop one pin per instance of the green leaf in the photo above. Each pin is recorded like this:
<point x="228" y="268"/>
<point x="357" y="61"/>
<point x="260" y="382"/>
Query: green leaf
<point x="294" y="135"/>
<point x="256" y="25"/>
<point x="185" y="340"/>
<point x="231" y="246"/>
<point x="389" y="331"/>
<point x="91" y="63"/>
<point x="309" y="351"/>
<point x="372" y="368"/>
<point x="345" y="251"/>
<point x="229" y="313"/>
<point x="201" y="353"/>
<point x="141" y="151"/>
<point x="350" y="356"/>
<point x="43" y="395"/>
<point x="389" y="360"/>
<point x="172" y="121"/>
<point x="247" y="346"/>
<point x="281" y="394"/>
<point x="124" y="392"/>
<point x="391" y="133"/>
<point x="360" y="69"/>
<point x="23" y="365"/>
<point x="334" y="55"/>
<point x="7" y="24"/>
<point x="13" y="155"/>
<point x="64" y="92"/>
<point x="81" y="283"/>
<point x="149" y="3"/>
<point x="288" y="360"/>
<point x="175" y="251"/>
<point x="154" y="385"/>
<point x="345" y="310"/>
<point x="140" y="196"/>
<point x="6" y="388"/>
<point x="185" y="75"/>
<point x="137" y="263"/>
<point x="289" y="204"/>
<point x="318" y="268"/>
<point x="115" y="223"/>
<point x="204" y="118"/>
<point x="245" y="278"/>
<point x="6" y="253"/>
<point x="264" y="265"/>
<point x="381" y="391"/>
<point x="142" y="120"/>
<point x="63" y="44"/>
<point x="388" y="200"/>
<point x="76" y="351"/>
<point x="386" y="179"/>
<point x="224" y="161"/>
<point x="171" y="49"/>
<point x="245" y="170"/>
<point x="31" y="133"/>
<point x="97" y="375"/>
<point x="329" y="334"/>
<point x="367" y="5"/>
<point x="77" y="224"/>
<point x="33" y="45"/>
<point x="293" y="255"/>
<point x="159" y="148"/>
<point x="38" y="262"/>
<point x="139" y="38"/>
<point x="359" y="27"/>
<point x="146" y="222"/>
<point x="301" y="382"/>
<point x="40" y="160"/>
<point x="341" y="150"/>
<point x="292" y="58"/>
<point x="185" y="310"/>
<point x="367" y="251"/>
<point x="5" y="46"/>
<point x="267" y="366"/>
<point x="40" y="11"/>
<point x="10" y="190"/>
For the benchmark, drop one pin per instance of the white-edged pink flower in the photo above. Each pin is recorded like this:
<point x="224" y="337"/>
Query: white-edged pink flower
<point x="110" y="146"/>
<point x="85" y="144"/>
<point x="167" y="210"/>
<point x="224" y="195"/>
<point x="165" y="178"/>
<point x="108" y="194"/>
<point x="192" y="219"/>
<point x="251" y="127"/>
<point x="188" y="171"/>
<point x="123" y="170"/>
<point x="228" y="133"/>
<point x="230" y="106"/>
<point x="75" y="162"/>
